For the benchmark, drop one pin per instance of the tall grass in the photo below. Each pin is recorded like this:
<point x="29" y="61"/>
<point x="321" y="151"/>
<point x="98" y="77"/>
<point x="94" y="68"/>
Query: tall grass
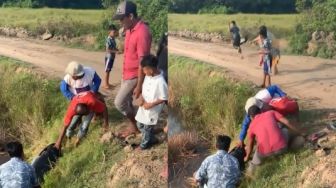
<point x="32" y="110"/>
<point x="209" y="101"/>
<point x="29" y="103"/>
<point x="281" y="25"/>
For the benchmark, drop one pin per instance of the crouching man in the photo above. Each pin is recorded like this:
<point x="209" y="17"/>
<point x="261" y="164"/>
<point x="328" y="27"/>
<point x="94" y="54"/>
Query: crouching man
<point x="83" y="105"/>
<point x="220" y="170"/>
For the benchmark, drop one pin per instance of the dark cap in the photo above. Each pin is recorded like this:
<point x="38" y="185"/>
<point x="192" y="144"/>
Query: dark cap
<point x="124" y="9"/>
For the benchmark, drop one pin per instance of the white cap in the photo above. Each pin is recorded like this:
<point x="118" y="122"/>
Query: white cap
<point x="253" y="101"/>
<point x="74" y="69"/>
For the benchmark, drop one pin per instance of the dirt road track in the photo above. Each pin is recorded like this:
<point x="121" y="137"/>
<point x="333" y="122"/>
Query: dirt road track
<point x="53" y="59"/>
<point x="312" y="80"/>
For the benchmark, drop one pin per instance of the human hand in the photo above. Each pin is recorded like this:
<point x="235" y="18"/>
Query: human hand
<point x="137" y="91"/>
<point x="240" y="144"/>
<point x="147" y="105"/>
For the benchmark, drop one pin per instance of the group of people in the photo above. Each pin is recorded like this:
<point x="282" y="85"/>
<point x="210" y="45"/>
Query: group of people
<point x="269" y="50"/>
<point x="266" y="126"/>
<point x="142" y="80"/>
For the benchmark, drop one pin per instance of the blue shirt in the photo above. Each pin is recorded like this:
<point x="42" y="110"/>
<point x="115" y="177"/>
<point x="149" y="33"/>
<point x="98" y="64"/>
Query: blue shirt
<point x="221" y="170"/>
<point x="16" y="173"/>
<point x="274" y="91"/>
<point x="90" y="81"/>
<point x="111" y="45"/>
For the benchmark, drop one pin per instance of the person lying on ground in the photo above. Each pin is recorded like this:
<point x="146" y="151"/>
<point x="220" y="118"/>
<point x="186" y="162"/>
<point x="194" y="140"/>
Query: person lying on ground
<point x="266" y="58"/>
<point x="79" y="79"/>
<point x="83" y="105"/>
<point x="16" y="172"/>
<point x="155" y="94"/>
<point x="261" y="100"/>
<point x="219" y="170"/>
<point x="270" y="131"/>
<point x="138" y="40"/>
<point x="111" y="50"/>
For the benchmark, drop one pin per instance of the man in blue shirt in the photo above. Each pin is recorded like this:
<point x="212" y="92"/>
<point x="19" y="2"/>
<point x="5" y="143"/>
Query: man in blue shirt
<point x="220" y="170"/>
<point x="261" y="99"/>
<point x="16" y="172"/>
<point x="79" y="79"/>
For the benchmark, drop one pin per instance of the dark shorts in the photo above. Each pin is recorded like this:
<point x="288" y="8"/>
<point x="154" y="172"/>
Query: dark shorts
<point x="236" y="41"/>
<point x="108" y="64"/>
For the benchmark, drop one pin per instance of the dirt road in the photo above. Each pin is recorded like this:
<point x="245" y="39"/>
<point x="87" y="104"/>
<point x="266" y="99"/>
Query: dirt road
<point x="53" y="59"/>
<point x="310" y="79"/>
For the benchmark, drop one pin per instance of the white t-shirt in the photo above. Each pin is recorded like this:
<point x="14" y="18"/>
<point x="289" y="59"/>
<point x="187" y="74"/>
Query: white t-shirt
<point x="83" y="84"/>
<point x="153" y="88"/>
<point x="264" y="96"/>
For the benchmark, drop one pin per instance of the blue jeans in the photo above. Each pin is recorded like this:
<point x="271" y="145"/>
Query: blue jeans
<point x="83" y="127"/>
<point x="147" y="135"/>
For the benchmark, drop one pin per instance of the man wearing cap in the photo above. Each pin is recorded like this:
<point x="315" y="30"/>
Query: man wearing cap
<point x="261" y="100"/>
<point x="79" y="79"/>
<point x="137" y="45"/>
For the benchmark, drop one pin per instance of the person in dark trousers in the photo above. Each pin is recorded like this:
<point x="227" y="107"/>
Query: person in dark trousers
<point x="235" y="36"/>
<point x="16" y="172"/>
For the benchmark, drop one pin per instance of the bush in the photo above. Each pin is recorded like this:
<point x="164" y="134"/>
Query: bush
<point x="216" y="10"/>
<point x="299" y="41"/>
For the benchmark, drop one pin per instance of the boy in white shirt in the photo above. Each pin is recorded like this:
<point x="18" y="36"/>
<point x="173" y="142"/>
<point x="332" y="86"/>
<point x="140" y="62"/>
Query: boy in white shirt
<point x="155" y="94"/>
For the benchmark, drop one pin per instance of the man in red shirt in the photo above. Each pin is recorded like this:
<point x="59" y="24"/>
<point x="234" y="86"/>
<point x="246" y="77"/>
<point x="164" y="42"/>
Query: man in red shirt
<point x="272" y="139"/>
<point x="84" y="104"/>
<point x="138" y="41"/>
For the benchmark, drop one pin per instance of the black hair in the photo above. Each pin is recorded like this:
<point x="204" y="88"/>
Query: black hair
<point x="149" y="61"/>
<point x="82" y="109"/>
<point x="233" y="22"/>
<point x="253" y="111"/>
<point x="263" y="31"/>
<point x="14" y="149"/>
<point x="223" y="142"/>
<point x="112" y="27"/>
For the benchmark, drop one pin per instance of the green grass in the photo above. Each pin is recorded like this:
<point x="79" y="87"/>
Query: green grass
<point x="211" y="103"/>
<point x="281" y="25"/>
<point x="32" y="110"/>
<point x="208" y="100"/>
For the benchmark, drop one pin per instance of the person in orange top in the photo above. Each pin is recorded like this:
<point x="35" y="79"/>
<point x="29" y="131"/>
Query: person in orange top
<point x="86" y="105"/>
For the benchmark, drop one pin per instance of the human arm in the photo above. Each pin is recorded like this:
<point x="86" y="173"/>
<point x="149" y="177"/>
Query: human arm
<point x="292" y="127"/>
<point x="149" y="105"/>
<point x="64" y="87"/>
<point x="243" y="132"/>
<point x="96" y="82"/>
<point x="201" y="173"/>
<point x="141" y="76"/>
<point x="249" y="147"/>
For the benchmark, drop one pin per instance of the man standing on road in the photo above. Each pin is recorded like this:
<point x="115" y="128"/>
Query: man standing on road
<point x="137" y="44"/>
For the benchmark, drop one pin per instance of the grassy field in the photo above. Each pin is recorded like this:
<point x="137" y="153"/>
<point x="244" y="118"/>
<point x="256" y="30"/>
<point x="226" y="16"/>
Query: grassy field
<point x="215" y="105"/>
<point x="279" y="24"/>
<point x="32" y="109"/>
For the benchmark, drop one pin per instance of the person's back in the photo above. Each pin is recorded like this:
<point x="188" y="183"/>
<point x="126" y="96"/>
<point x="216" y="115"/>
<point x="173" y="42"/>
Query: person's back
<point x="224" y="168"/>
<point x="269" y="136"/>
<point x="17" y="173"/>
<point x="220" y="170"/>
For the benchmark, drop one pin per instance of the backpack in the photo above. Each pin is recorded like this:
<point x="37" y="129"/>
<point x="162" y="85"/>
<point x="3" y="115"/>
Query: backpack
<point x="45" y="161"/>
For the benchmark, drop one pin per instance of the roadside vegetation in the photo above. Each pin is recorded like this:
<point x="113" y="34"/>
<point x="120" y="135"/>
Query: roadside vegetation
<point x="210" y="103"/>
<point x="32" y="110"/>
<point x="281" y="25"/>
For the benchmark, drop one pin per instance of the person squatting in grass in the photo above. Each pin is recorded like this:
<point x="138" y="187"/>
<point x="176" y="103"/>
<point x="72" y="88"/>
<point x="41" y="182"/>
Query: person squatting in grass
<point x="265" y="58"/>
<point x="154" y="96"/>
<point x="111" y="50"/>
<point x="83" y="105"/>
<point x="137" y="44"/>
<point x="270" y="131"/>
<point x="261" y="100"/>
<point x="16" y="172"/>
<point x="220" y="170"/>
